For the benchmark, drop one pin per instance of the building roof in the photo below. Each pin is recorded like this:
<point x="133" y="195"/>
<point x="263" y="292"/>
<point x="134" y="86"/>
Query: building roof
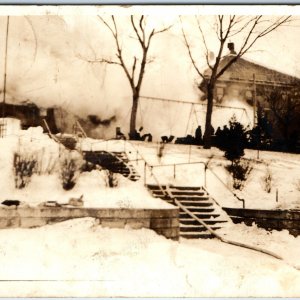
<point x="242" y="71"/>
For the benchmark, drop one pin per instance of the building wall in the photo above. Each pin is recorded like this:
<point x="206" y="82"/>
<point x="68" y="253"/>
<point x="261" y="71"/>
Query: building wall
<point x="30" y="115"/>
<point x="9" y="126"/>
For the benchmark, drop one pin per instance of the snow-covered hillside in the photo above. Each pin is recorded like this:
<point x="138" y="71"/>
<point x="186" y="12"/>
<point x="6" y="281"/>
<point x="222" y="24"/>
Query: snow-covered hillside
<point x="80" y="258"/>
<point x="283" y="168"/>
<point x="46" y="185"/>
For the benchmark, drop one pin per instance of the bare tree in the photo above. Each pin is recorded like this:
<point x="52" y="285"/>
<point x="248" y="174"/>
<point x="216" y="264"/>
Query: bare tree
<point x="247" y="29"/>
<point x="134" y="69"/>
<point x="285" y="106"/>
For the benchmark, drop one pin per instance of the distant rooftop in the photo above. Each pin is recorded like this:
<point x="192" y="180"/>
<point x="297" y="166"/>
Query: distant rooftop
<point x="242" y="71"/>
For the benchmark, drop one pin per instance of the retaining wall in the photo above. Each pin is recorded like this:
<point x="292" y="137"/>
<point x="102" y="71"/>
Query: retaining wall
<point x="268" y="219"/>
<point x="163" y="221"/>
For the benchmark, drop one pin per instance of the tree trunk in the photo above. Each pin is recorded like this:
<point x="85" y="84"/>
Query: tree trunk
<point x="135" y="102"/>
<point x="208" y="127"/>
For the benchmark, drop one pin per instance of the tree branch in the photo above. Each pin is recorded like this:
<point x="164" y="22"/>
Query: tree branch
<point x="119" y="54"/>
<point x="142" y="42"/>
<point x="205" y="44"/>
<point x="98" y="60"/>
<point x="248" y="43"/>
<point x="190" y="52"/>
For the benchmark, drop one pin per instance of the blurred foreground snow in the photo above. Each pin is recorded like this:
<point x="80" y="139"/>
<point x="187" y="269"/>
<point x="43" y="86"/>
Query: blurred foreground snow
<point x="79" y="258"/>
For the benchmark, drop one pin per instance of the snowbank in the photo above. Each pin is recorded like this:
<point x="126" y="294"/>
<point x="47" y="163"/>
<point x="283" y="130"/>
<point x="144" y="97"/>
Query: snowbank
<point x="81" y="259"/>
<point x="47" y="185"/>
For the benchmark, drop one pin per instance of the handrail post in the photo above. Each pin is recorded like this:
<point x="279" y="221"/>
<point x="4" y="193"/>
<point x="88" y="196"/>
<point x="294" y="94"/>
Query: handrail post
<point x="205" y="169"/>
<point x="145" y="173"/>
<point x="174" y="171"/>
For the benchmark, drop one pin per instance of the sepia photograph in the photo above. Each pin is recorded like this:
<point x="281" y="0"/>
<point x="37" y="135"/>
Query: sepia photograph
<point x="150" y="151"/>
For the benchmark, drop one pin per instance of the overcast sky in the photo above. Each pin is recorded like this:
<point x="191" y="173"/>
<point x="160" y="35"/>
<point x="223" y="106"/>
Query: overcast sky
<point x="47" y="58"/>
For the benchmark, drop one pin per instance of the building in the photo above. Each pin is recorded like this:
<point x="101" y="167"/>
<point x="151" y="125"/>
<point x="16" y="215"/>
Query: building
<point x="29" y="114"/>
<point x="258" y="86"/>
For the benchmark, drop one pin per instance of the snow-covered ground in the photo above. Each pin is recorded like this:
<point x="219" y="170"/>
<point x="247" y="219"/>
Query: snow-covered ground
<point x="48" y="187"/>
<point x="284" y="169"/>
<point x="79" y="258"/>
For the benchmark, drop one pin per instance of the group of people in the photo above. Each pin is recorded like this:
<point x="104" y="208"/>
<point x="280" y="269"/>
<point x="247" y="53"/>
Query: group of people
<point x="136" y="135"/>
<point x="193" y="140"/>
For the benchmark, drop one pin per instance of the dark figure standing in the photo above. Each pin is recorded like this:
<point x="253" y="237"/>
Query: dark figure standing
<point x="198" y="136"/>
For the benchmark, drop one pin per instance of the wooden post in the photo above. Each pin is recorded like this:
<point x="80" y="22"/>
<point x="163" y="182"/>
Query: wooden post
<point x="174" y="171"/>
<point x="254" y="113"/>
<point x="254" y="100"/>
<point x="276" y="195"/>
<point x="205" y="168"/>
<point x="145" y="173"/>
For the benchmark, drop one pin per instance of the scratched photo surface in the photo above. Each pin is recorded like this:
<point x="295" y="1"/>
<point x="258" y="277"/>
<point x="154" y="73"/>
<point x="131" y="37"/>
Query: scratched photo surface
<point x="149" y="151"/>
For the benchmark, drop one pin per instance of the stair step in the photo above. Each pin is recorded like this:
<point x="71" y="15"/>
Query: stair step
<point x="116" y="162"/>
<point x="202" y="216"/>
<point x="155" y="187"/>
<point x="206" y="221"/>
<point x="166" y="198"/>
<point x="173" y="188"/>
<point x="197" y="213"/>
<point x="186" y="193"/>
<point x="198" y="202"/>
<point x="186" y="188"/>
<point x="190" y="198"/>
<point x="192" y="221"/>
<point x="194" y="202"/>
<point x="183" y="200"/>
<point x="197" y="235"/>
<point x="199" y="205"/>
<point x="196" y="228"/>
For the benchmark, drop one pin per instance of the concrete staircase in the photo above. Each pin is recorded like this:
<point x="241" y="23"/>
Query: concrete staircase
<point x="68" y="141"/>
<point x="197" y="201"/>
<point x="116" y="162"/>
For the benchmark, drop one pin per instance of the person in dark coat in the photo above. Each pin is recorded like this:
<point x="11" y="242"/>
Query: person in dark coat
<point x="198" y="136"/>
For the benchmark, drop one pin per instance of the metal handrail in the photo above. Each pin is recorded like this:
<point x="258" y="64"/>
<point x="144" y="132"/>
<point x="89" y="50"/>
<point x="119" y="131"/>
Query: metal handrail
<point x="177" y="164"/>
<point x="205" y="189"/>
<point x="81" y="129"/>
<point x="188" y="163"/>
<point x="213" y="232"/>
<point x="150" y="169"/>
<point x="50" y="133"/>
<point x="234" y="194"/>
<point x="181" y="164"/>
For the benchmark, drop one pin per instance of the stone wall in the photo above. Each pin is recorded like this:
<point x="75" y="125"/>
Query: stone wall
<point x="163" y="221"/>
<point x="268" y="219"/>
